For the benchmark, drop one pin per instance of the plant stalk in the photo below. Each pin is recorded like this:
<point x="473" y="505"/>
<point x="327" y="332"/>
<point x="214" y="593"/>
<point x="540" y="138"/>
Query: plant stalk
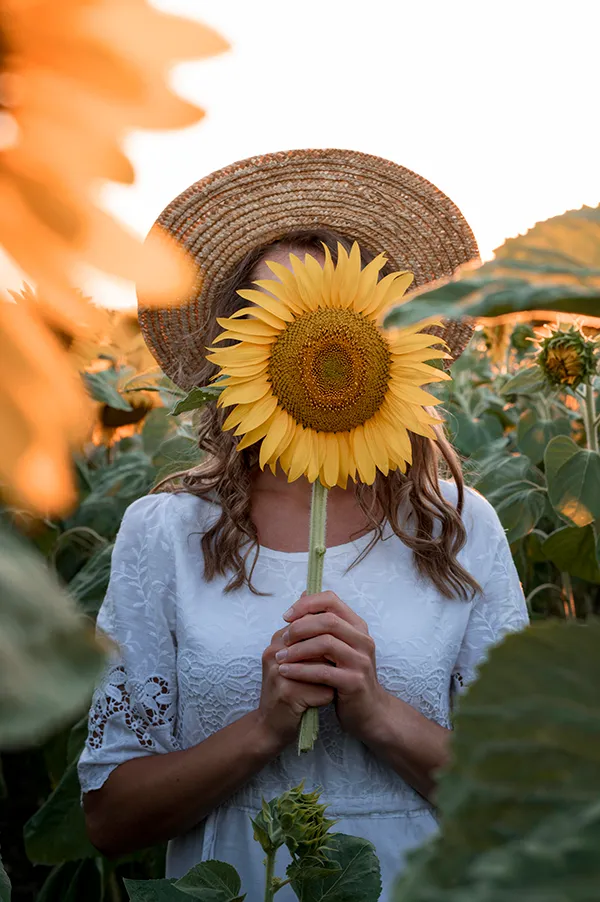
<point x="269" y="889"/>
<point x="588" y="411"/>
<point x="309" y="724"/>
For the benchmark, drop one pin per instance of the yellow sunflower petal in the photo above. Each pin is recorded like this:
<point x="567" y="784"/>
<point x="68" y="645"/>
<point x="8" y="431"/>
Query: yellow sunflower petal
<point x="285" y="458"/>
<point x="364" y="461"/>
<point x="274" y="437"/>
<point x="247" y="327"/>
<point x="254" y="435"/>
<point x="376" y="445"/>
<point x="244" y="371"/>
<point x="237" y="415"/>
<point x="292" y="295"/>
<point x="412" y="418"/>
<point x="312" y="468"/>
<point x="347" y="465"/>
<point x="239" y="355"/>
<point x="351" y="277"/>
<point x="412" y="394"/>
<point x="300" y="455"/>
<point x="263" y="315"/>
<point x="314" y="274"/>
<point x="259" y="412"/>
<point x="405" y="344"/>
<point x="235" y="379"/>
<point x="392" y="296"/>
<point x="327" y="279"/>
<point x="276" y="305"/>
<point x="337" y="277"/>
<point x="303" y="282"/>
<point x="279" y="297"/>
<point x="252" y="391"/>
<point x="331" y="464"/>
<point x="247" y="337"/>
<point x="418" y="373"/>
<point x="368" y="282"/>
<point x="396" y="438"/>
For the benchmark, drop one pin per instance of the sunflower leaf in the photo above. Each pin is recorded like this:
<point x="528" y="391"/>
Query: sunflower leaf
<point x="101" y="387"/>
<point x="197" y="398"/>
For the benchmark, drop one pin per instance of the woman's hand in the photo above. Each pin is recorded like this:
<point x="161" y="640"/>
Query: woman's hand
<point x="323" y="629"/>
<point x="283" y="702"/>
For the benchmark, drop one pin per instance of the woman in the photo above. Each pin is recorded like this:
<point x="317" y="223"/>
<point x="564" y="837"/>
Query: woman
<point x="196" y="719"/>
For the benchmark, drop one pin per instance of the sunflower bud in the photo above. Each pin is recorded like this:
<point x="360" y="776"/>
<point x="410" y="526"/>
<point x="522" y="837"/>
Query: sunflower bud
<point x="566" y="356"/>
<point x="302" y="821"/>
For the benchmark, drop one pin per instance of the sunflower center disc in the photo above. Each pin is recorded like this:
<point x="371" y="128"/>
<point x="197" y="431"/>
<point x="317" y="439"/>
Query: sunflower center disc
<point x="330" y="369"/>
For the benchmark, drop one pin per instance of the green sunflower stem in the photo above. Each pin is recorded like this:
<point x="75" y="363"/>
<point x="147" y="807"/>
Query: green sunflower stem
<point x="588" y="410"/>
<point x="309" y="724"/>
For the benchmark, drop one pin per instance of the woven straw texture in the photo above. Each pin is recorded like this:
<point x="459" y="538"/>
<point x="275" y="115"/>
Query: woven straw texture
<point x="254" y="202"/>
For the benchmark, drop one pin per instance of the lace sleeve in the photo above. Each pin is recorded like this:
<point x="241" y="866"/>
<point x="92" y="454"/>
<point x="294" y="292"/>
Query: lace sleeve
<point x="498" y="610"/>
<point x="134" y="705"/>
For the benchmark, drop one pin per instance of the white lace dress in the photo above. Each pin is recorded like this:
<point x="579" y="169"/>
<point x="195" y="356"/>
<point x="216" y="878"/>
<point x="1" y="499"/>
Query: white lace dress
<point x="190" y="664"/>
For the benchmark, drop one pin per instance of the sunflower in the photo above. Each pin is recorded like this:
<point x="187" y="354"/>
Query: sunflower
<point x="566" y="356"/>
<point x="74" y="78"/>
<point x="314" y="377"/>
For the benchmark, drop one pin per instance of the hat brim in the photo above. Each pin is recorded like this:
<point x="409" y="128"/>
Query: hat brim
<point x="221" y="218"/>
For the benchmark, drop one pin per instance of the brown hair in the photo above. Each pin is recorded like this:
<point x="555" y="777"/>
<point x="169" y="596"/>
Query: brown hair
<point x="225" y="475"/>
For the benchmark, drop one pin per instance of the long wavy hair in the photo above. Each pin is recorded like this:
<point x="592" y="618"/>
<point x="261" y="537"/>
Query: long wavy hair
<point x="412" y="503"/>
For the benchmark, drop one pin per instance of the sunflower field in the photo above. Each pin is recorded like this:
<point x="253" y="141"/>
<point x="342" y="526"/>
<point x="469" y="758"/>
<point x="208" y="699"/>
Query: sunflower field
<point x="89" y="425"/>
<point x="523" y="410"/>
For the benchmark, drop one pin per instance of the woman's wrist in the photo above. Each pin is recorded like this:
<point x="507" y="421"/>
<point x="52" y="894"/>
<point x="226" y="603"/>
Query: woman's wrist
<point x="266" y="740"/>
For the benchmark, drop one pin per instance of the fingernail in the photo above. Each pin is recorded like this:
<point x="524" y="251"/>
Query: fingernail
<point x="281" y="655"/>
<point x="288" y="613"/>
<point x="286" y="636"/>
<point x="284" y="668"/>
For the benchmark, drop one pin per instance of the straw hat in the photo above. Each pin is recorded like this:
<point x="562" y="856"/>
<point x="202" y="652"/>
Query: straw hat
<point x="254" y="202"/>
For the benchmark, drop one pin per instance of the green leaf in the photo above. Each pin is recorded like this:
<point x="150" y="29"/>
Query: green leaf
<point x="573" y="549"/>
<point x="516" y="490"/>
<point x="102" y="387"/>
<point x="554" y="267"/>
<point x="176" y="453"/>
<point x="73" y="882"/>
<point x="56" y="832"/>
<point x="533" y="434"/>
<point x="198" y="397"/>
<point x="89" y="584"/>
<point x="157" y="426"/>
<point x="471" y="433"/>
<point x="212" y="881"/>
<point x="128" y="477"/>
<point x="528" y="381"/>
<point x="4" y="884"/>
<point x="525" y="748"/>
<point x="102" y="515"/>
<point x="556" y="861"/>
<point x="573" y="476"/>
<point x="358" y="878"/>
<point x="519" y="509"/>
<point x="49" y="657"/>
<point x="153" y="891"/>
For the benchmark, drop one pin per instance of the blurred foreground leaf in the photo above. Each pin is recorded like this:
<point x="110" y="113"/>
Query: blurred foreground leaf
<point x="526" y="754"/>
<point x="554" y="267"/>
<point x="4" y="885"/>
<point x="49" y="657"/>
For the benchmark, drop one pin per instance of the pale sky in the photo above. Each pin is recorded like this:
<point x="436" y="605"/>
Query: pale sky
<point x="494" y="102"/>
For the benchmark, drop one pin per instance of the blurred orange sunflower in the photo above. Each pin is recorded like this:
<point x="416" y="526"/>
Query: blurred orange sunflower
<point x="74" y="78"/>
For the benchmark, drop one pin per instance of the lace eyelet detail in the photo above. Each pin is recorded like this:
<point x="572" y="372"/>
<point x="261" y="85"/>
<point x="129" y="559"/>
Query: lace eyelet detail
<point x="113" y="698"/>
